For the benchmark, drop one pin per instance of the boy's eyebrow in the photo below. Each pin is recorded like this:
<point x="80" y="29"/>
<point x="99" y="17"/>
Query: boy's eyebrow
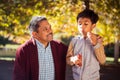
<point x="81" y="21"/>
<point x="87" y="21"/>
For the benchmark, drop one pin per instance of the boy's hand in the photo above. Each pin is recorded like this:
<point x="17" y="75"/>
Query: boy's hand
<point x="94" y="38"/>
<point x="77" y="60"/>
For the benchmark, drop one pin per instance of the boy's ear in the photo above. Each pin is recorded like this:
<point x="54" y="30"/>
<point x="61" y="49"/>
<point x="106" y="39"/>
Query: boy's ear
<point x="93" y="26"/>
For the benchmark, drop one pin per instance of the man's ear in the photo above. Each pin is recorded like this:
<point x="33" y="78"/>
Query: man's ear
<point x="34" y="34"/>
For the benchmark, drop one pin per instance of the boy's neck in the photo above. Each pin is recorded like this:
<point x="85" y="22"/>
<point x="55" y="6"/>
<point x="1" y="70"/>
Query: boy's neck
<point x="84" y="36"/>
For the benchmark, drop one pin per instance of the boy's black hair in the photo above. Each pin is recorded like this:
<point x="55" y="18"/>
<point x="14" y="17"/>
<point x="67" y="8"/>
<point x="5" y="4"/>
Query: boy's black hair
<point x="87" y="13"/>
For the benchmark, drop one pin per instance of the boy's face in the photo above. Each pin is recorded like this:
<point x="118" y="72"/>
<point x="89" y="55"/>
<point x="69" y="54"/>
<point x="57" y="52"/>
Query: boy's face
<point x="85" y="25"/>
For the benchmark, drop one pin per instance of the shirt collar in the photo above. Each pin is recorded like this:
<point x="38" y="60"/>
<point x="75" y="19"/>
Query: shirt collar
<point x="41" y="45"/>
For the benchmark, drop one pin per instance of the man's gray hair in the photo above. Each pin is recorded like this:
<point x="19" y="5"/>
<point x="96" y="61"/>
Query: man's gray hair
<point x="33" y="26"/>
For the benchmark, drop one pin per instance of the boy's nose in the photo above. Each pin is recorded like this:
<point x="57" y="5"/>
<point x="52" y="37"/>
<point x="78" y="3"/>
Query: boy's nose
<point x="81" y="26"/>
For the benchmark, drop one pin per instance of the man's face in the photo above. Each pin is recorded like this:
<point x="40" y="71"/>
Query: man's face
<point x="44" y="33"/>
<point x="85" y="25"/>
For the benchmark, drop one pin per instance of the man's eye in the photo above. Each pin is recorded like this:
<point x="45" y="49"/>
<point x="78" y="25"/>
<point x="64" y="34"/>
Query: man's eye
<point x="45" y="29"/>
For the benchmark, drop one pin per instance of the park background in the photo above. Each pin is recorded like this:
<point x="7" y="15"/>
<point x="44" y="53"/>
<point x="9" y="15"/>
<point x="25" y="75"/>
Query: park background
<point x="15" y="16"/>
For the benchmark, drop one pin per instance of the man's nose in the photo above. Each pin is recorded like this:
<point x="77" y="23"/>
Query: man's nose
<point x="49" y="30"/>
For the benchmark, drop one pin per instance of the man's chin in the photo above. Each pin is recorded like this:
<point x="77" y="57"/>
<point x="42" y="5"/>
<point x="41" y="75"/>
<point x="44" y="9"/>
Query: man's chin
<point x="50" y="39"/>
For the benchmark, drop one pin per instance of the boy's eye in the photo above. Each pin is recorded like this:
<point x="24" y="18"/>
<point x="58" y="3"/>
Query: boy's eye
<point x="86" y="24"/>
<point x="79" y="24"/>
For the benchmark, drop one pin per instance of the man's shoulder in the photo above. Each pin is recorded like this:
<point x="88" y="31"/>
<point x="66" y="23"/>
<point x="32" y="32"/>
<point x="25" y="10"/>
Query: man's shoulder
<point x="58" y="46"/>
<point x="26" y="44"/>
<point x="57" y="43"/>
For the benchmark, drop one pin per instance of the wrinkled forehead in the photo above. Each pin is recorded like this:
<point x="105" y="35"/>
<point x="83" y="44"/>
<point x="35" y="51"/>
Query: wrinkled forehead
<point x="43" y="23"/>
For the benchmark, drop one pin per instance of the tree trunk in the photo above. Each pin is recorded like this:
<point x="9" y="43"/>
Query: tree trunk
<point x="87" y="3"/>
<point x="116" y="50"/>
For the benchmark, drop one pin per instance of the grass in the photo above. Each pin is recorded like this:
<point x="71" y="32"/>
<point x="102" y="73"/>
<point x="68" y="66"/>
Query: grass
<point x="110" y="60"/>
<point x="8" y="53"/>
<point x="11" y="56"/>
<point x="7" y="58"/>
<point x="11" y="46"/>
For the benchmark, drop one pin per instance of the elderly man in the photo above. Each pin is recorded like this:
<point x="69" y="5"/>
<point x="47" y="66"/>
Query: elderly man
<point x="40" y="58"/>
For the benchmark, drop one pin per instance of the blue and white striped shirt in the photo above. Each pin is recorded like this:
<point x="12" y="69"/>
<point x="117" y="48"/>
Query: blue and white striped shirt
<point x="46" y="63"/>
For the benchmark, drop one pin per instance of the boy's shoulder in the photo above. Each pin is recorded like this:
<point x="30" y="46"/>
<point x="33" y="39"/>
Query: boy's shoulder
<point x="77" y="37"/>
<point x="57" y="43"/>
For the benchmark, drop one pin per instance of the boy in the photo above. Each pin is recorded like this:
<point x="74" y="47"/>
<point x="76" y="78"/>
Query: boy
<point x="86" y="52"/>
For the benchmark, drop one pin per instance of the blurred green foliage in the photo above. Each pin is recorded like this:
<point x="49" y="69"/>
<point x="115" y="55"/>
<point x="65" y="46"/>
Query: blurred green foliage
<point x="16" y="14"/>
<point x="4" y="41"/>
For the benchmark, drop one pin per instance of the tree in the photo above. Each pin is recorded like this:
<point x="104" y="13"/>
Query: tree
<point x="109" y="15"/>
<point x="4" y="41"/>
<point x="16" y="14"/>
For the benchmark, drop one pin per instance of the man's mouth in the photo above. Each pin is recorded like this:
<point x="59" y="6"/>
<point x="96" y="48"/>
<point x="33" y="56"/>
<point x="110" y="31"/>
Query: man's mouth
<point x="50" y="34"/>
